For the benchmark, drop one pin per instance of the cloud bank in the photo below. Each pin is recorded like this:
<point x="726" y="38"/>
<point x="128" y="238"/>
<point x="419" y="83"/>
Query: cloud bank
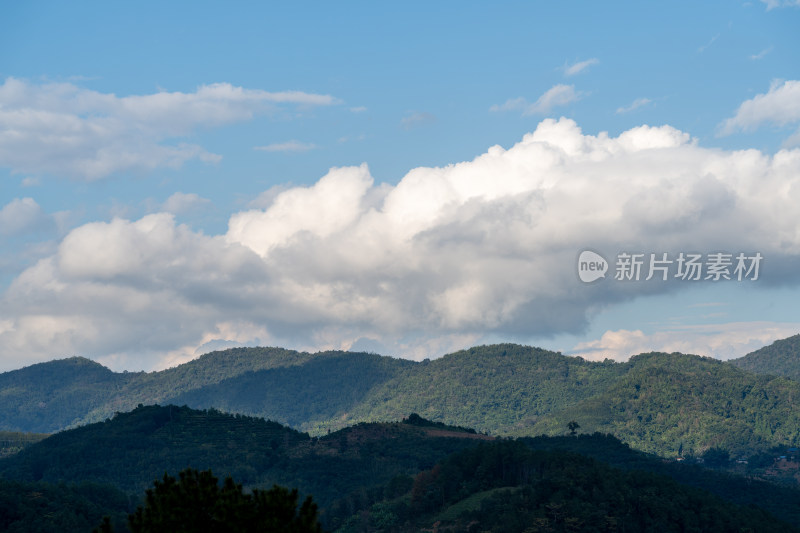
<point x="435" y="262"/>
<point x="723" y="341"/>
<point x="65" y="130"/>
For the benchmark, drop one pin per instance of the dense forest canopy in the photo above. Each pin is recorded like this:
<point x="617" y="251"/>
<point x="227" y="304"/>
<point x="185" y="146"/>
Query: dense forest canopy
<point x="670" y="404"/>
<point x="399" y="476"/>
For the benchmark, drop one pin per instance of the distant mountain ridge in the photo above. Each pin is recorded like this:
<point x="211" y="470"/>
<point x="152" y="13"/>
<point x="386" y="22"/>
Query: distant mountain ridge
<point x="662" y="403"/>
<point x="781" y="358"/>
<point x="48" y="397"/>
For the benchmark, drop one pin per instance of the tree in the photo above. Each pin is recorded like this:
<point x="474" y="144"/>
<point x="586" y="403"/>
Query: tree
<point x="196" y="502"/>
<point x="573" y="427"/>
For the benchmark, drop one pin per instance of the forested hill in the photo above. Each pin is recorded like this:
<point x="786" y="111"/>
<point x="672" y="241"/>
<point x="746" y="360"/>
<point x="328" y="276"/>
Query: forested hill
<point x="661" y="403"/>
<point x="672" y="403"/>
<point x="488" y="387"/>
<point x="508" y="487"/>
<point x="46" y="397"/>
<point x="398" y="476"/>
<point x="501" y="388"/>
<point x="781" y="358"/>
<point x="132" y="449"/>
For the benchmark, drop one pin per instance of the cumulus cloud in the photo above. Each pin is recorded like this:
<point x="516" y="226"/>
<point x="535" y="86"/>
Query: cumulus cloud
<point x="435" y="262"/>
<point x="780" y="105"/>
<point x="571" y="70"/>
<point x="63" y="129"/>
<point x="556" y="96"/>
<point x="721" y="341"/>
<point x="288" y="146"/>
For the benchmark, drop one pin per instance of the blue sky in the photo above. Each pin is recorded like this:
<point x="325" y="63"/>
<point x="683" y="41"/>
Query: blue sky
<point x="166" y="183"/>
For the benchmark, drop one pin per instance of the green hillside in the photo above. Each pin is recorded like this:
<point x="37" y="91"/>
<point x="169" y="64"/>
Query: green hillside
<point x="132" y="449"/>
<point x="670" y="402"/>
<point x="43" y="507"/>
<point x="508" y="487"/>
<point x="214" y="367"/>
<point x="47" y="397"/>
<point x="302" y="396"/>
<point x="382" y="470"/>
<point x="781" y="358"/>
<point x="497" y="388"/>
<point x="740" y="489"/>
<point x="661" y="403"/>
<point x="12" y="442"/>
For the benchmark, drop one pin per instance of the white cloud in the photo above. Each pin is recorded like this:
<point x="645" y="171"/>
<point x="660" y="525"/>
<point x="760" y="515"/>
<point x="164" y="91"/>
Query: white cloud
<point x="575" y="68"/>
<point x="63" y="129"/>
<point x="636" y="104"/>
<point x="446" y="256"/>
<point x="265" y="198"/>
<point x="23" y="215"/>
<point x="181" y="202"/>
<point x="780" y="105"/>
<point x="721" y="341"/>
<point x="334" y="200"/>
<point x="556" y="96"/>
<point x="288" y="146"/>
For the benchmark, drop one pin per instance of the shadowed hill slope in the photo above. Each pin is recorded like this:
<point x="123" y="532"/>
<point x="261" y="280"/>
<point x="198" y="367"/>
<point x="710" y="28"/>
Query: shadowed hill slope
<point x="781" y="358"/>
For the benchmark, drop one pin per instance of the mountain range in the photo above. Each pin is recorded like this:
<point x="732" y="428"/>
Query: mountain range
<point x="669" y="404"/>
<point x="481" y="444"/>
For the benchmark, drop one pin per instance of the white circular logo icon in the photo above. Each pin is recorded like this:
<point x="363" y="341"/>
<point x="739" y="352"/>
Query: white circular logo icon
<point x="591" y="266"/>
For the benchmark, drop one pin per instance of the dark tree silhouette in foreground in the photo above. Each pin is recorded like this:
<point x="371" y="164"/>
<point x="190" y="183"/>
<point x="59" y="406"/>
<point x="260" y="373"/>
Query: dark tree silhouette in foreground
<point x="196" y="502"/>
